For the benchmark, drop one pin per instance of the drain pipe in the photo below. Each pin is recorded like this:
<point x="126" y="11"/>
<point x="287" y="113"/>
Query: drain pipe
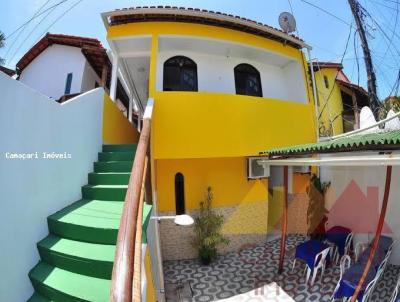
<point x="314" y="86"/>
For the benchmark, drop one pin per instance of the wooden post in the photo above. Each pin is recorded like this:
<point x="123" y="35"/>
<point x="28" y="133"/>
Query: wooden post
<point x="373" y="97"/>
<point x="284" y="219"/>
<point x="377" y="234"/>
<point x="104" y="73"/>
<point x="355" y="109"/>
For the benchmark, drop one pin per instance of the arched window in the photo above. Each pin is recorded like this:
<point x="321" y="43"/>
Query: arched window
<point x="180" y="74"/>
<point x="247" y="80"/>
<point x="179" y="194"/>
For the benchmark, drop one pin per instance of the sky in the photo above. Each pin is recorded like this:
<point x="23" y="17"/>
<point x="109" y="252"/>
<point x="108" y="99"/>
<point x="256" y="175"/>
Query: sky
<point x="327" y="32"/>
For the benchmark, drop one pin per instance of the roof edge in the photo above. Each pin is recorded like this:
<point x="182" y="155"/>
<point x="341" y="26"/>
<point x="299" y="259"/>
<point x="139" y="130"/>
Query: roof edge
<point x="175" y="11"/>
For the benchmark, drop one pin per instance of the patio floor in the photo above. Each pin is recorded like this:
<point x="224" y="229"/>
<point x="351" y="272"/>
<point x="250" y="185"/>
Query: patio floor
<point x="252" y="275"/>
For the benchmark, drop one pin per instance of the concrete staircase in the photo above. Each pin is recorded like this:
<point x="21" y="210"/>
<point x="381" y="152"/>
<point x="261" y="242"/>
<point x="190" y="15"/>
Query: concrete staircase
<point x="77" y="256"/>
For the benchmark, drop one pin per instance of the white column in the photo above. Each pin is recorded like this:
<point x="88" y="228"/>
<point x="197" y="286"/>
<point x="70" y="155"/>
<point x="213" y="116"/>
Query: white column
<point x="130" y="109"/>
<point x="114" y="77"/>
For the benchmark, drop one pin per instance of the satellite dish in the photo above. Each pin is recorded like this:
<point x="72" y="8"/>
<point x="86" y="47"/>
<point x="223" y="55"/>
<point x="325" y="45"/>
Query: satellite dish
<point x="287" y="22"/>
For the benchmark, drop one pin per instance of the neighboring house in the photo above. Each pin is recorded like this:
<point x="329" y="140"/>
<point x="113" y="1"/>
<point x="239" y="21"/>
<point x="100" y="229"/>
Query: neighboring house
<point x="62" y="66"/>
<point x="7" y="71"/>
<point x="339" y="101"/>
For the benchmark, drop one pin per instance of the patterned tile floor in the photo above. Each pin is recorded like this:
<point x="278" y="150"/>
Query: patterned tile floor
<point x="256" y="266"/>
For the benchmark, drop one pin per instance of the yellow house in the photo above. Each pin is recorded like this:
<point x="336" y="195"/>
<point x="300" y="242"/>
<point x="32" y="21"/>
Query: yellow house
<point x="223" y="89"/>
<point x="339" y="101"/>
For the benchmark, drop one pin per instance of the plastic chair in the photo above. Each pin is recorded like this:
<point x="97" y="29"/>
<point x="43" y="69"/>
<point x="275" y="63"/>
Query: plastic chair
<point x="348" y="243"/>
<point x="345" y="263"/>
<point x="319" y="263"/>
<point x="359" y="249"/>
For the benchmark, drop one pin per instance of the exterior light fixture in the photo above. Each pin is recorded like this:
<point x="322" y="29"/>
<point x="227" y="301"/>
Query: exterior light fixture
<point x="181" y="220"/>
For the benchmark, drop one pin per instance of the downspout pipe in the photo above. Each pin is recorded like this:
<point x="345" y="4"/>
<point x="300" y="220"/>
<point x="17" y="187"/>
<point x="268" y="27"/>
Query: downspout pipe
<point x="314" y="86"/>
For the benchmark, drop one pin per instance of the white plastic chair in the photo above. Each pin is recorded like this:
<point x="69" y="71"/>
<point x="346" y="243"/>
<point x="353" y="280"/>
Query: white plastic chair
<point x="345" y="263"/>
<point x="319" y="263"/>
<point x="348" y="243"/>
<point x="359" y="249"/>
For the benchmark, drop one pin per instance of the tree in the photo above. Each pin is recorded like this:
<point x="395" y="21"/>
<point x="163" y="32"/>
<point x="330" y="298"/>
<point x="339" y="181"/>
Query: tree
<point x="2" y="43"/>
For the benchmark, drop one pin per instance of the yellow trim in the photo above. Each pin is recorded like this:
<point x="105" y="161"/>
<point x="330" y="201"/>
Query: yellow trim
<point x="116" y="127"/>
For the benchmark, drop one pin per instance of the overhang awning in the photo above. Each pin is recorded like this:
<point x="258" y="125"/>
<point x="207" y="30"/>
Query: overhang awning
<point x="380" y="141"/>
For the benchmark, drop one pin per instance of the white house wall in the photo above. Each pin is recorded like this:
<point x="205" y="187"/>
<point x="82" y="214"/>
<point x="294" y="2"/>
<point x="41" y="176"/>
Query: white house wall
<point x="365" y="177"/>
<point x="216" y="74"/>
<point x="47" y="73"/>
<point x="33" y="189"/>
<point x="88" y="78"/>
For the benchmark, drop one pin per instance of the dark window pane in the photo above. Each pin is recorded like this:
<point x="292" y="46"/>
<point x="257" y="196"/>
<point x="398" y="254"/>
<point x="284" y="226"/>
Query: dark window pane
<point x="247" y="80"/>
<point x="180" y="74"/>
<point x="68" y="84"/>
<point x="179" y="194"/>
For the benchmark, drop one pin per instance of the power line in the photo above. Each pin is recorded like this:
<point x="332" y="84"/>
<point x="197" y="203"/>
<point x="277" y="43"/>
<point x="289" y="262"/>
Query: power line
<point x="30" y="33"/>
<point x="327" y="12"/>
<point x="38" y="15"/>
<point x="337" y="73"/>
<point x="58" y="18"/>
<point x="24" y="27"/>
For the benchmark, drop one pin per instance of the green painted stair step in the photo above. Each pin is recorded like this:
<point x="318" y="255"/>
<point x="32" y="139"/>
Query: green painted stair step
<point x="90" y="259"/>
<point x="109" y="178"/>
<point x="65" y="286"/>
<point x="120" y="148"/>
<point x="116" y="156"/>
<point x="104" y="192"/>
<point x="95" y="221"/>
<point x="113" y="166"/>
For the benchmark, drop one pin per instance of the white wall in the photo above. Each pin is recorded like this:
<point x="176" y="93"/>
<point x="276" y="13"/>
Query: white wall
<point x="31" y="190"/>
<point x="366" y="177"/>
<point x="47" y="73"/>
<point x="88" y="78"/>
<point x="216" y="74"/>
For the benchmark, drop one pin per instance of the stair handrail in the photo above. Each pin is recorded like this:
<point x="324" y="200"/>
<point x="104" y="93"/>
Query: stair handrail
<point x="122" y="281"/>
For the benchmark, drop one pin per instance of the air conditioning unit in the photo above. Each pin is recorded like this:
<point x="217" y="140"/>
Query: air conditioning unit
<point x="301" y="169"/>
<point x="255" y="170"/>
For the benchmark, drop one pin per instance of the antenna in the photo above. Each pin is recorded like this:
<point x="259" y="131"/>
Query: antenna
<point x="287" y="22"/>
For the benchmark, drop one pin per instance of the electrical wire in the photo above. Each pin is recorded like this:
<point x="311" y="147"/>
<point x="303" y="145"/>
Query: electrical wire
<point x="30" y="33"/>
<point x="341" y="62"/>
<point x="31" y="19"/>
<point x="23" y="29"/>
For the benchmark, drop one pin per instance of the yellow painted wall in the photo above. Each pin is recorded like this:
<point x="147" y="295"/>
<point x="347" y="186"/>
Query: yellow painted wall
<point x="116" y="127"/>
<point x="226" y="176"/>
<point x="205" y="125"/>
<point x="150" y="289"/>
<point x="334" y="107"/>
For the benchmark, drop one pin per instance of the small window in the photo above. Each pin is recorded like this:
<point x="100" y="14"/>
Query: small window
<point x="68" y="84"/>
<point x="247" y="80"/>
<point x="180" y="74"/>
<point x="326" y="81"/>
<point x="179" y="194"/>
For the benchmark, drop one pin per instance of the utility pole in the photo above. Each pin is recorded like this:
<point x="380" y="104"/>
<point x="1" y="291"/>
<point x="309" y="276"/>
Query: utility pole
<point x="373" y="97"/>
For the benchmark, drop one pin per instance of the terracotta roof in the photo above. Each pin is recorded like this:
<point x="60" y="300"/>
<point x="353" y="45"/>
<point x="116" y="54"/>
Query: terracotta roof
<point x="7" y="71"/>
<point x="199" y="16"/>
<point x="319" y="65"/>
<point x="91" y="48"/>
